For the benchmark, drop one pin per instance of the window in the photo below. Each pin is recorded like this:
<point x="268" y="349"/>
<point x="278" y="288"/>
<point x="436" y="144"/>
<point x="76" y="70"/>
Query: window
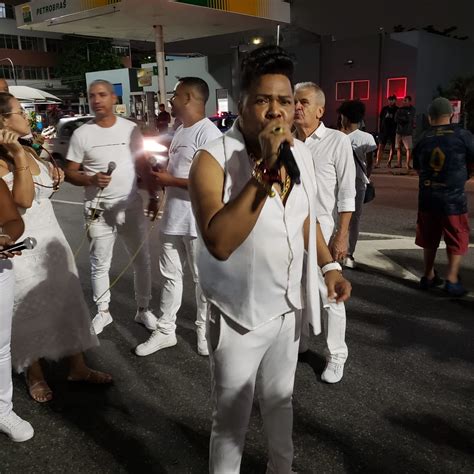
<point x="34" y="72"/>
<point x="32" y="43"/>
<point x="6" y="71"/>
<point x="7" y="11"/>
<point x="53" y="45"/>
<point x="8" y="41"/>
<point x="53" y="73"/>
<point x="352" y="90"/>
<point x="397" y="86"/>
<point x="121" y="50"/>
<point x="68" y="129"/>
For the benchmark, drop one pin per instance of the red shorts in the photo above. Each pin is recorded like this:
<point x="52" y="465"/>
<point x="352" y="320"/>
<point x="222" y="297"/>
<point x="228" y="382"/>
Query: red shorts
<point x="455" y="230"/>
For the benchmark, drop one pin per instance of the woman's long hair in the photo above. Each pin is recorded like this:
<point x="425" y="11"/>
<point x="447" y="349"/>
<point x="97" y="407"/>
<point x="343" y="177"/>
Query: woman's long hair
<point x="5" y="108"/>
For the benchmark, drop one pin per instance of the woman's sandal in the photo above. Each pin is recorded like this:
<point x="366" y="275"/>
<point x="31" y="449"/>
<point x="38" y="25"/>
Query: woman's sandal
<point x="40" y="392"/>
<point x="93" y="377"/>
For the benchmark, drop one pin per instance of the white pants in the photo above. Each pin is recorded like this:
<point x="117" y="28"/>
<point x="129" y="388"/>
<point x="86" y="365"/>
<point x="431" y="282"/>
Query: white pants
<point x="241" y="361"/>
<point x="356" y="215"/>
<point x="132" y="227"/>
<point x="177" y="251"/>
<point x="333" y="315"/>
<point x="7" y="283"/>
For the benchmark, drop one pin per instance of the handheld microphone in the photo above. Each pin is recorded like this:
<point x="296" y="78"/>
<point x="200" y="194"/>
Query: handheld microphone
<point x="27" y="244"/>
<point x="285" y="155"/>
<point x="110" y="168"/>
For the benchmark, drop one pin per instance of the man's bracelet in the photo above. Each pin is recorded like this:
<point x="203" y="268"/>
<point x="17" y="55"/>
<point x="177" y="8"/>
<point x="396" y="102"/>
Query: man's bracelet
<point x="21" y="168"/>
<point x="331" y="266"/>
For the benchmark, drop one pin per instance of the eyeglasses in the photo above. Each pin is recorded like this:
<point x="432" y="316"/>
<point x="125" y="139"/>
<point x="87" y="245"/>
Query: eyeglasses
<point x="23" y="113"/>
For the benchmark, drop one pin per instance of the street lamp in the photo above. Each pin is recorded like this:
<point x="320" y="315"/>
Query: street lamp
<point x="13" y="68"/>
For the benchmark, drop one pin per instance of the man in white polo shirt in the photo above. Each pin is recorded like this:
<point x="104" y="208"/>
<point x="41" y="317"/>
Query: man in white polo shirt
<point x="335" y="179"/>
<point x="112" y="203"/>
<point x="178" y="228"/>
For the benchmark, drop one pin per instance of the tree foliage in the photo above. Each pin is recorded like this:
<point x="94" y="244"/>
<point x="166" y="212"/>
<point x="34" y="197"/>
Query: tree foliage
<point x="80" y="55"/>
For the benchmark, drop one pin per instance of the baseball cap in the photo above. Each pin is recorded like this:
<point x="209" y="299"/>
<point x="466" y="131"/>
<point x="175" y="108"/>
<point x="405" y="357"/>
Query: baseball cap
<point x="440" y="106"/>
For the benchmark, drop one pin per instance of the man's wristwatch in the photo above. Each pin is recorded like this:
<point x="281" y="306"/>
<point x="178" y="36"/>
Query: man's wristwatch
<point x="331" y="266"/>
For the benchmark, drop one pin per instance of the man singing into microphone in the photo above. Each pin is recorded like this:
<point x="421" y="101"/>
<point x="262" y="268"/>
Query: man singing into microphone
<point x="255" y="223"/>
<point x="112" y="203"/>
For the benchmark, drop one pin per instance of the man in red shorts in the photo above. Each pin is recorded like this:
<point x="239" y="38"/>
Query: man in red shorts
<point x="443" y="157"/>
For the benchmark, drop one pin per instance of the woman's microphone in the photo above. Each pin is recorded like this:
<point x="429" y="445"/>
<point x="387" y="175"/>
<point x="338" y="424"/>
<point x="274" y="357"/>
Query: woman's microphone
<point x="27" y="244"/>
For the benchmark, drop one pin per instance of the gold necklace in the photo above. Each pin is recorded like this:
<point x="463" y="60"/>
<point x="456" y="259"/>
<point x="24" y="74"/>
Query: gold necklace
<point x="285" y="188"/>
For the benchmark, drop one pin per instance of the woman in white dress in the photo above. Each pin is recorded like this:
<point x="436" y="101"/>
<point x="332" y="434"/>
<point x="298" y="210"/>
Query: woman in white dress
<point x="11" y="227"/>
<point x="51" y="319"/>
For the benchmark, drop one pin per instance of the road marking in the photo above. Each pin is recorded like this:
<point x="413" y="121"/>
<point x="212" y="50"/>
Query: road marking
<point x="385" y="236"/>
<point x="68" y="202"/>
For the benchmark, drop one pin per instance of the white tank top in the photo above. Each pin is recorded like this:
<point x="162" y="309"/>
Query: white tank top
<point x="262" y="279"/>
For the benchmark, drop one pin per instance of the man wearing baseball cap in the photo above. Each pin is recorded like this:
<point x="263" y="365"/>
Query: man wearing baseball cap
<point x="443" y="157"/>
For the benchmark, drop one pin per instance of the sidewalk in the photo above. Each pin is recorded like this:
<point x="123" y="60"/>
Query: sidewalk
<point x="401" y="258"/>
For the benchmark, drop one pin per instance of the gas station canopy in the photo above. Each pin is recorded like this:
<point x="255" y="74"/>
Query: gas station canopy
<point x="134" y="19"/>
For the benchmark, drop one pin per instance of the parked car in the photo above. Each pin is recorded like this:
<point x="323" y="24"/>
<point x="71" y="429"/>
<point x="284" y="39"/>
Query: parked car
<point x="58" y="143"/>
<point x="223" y="121"/>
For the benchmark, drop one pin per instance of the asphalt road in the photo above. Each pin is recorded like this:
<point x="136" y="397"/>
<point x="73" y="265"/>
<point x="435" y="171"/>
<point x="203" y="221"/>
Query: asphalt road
<point x="404" y="405"/>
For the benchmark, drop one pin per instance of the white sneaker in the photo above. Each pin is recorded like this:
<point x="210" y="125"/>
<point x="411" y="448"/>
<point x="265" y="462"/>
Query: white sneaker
<point x="333" y="372"/>
<point x="15" y="428"/>
<point x="155" y="342"/>
<point x="349" y="262"/>
<point x="101" y="319"/>
<point x="202" y="348"/>
<point x="147" y="318"/>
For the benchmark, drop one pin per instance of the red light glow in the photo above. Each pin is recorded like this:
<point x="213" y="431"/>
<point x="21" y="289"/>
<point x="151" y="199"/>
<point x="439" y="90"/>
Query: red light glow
<point x="397" y="86"/>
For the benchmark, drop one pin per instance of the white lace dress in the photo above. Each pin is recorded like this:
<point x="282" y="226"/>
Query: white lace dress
<point x="51" y="319"/>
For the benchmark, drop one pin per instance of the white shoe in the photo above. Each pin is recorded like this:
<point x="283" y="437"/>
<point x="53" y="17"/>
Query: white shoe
<point x="155" y="342"/>
<point x="15" y="428"/>
<point x="349" y="262"/>
<point x="147" y="318"/>
<point x="202" y="348"/>
<point x="333" y="372"/>
<point x="101" y="319"/>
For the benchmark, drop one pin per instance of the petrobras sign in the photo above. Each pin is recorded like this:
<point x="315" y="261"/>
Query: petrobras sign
<point x="38" y="11"/>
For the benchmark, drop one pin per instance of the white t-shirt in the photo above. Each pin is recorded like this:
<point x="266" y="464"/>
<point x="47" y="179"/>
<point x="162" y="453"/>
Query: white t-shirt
<point x="95" y="147"/>
<point x="178" y="216"/>
<point x="362" y="143"/>
<point x="335" y="174"/>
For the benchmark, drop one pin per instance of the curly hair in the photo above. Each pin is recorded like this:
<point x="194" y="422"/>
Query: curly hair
<point x="353" y="110"/>
<point x="265" y="60"/>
